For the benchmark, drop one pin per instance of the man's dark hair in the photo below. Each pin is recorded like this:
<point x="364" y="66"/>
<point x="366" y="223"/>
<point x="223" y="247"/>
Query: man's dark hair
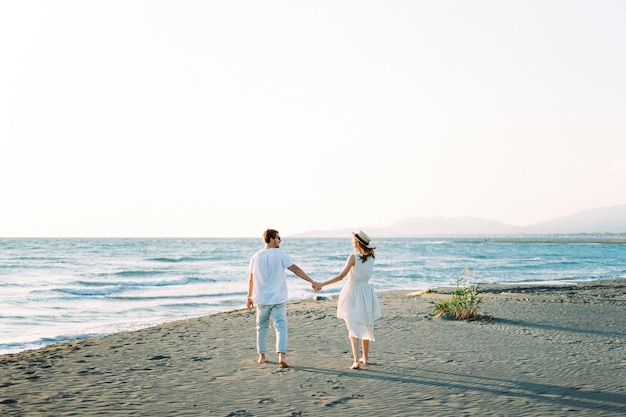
<point x="269" y="234"/>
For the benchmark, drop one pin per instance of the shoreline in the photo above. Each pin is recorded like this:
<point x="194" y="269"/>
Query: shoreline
<point x="549" y="350"/>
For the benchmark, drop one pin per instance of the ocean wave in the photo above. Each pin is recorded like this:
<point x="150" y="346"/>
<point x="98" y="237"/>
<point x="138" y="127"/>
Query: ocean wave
<point x="202" y="280"/>
<point x="14" y="347"/>
<point x="567" y="262"/>
<point x="183" y="306"/>
<point x="90" y="291"/>
<point x="208" y="296"/>
<point x="175" y="260"/>
<point x="138" y="273"/>
<point x="110" y="287"/>
<point x="158" y="283"/>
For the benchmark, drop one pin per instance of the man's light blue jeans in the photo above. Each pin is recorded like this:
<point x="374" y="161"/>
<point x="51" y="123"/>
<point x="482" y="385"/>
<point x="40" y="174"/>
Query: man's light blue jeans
<point x="278" y="312"/>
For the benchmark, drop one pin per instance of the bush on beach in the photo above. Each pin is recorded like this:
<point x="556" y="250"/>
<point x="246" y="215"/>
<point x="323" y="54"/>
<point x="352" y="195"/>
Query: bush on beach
<point x="464" y="302"/>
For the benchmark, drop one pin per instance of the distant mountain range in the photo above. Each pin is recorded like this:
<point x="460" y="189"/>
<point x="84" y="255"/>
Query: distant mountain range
<point x="596" y="221"/>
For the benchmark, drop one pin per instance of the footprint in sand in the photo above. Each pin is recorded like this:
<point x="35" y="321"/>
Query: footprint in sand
<point x="158" y="358"/>
<point x="240" y="413"/>
<point x="200" y="358"/>
<point x="8" y="401"/>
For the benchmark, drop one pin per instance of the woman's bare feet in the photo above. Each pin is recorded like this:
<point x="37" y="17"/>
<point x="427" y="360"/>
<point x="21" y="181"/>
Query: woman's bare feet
<point x="355" y="365"/>
<point x="261" y="359"/>
<point x="281" y="360"/>
<point x="363" y="361"/>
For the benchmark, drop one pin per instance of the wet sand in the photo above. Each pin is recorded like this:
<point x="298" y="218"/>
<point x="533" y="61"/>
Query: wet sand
<point x="539" y="350"/>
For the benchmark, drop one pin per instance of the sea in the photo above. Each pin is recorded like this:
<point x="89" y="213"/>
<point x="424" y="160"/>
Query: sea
<point x="59" y="289"/>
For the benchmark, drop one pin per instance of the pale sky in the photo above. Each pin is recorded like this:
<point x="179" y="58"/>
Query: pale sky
<point x="223" y="118"/>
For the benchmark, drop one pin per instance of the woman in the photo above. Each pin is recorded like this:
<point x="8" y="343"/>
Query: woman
<point x="358" y="304"/>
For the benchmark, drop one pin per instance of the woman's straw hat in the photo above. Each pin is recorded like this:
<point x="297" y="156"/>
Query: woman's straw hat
<point x="365" y="240"/>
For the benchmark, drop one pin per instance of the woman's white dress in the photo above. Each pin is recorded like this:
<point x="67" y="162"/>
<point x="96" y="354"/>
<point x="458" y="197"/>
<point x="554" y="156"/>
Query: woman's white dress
<point x="358" y="304"/>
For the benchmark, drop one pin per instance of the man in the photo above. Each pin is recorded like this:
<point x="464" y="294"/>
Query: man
<point x="267" y="287"/>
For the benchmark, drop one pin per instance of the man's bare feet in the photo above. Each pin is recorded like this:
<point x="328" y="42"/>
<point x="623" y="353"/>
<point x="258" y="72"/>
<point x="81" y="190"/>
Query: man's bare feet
<point x="282" y="361"/>
<point x="355" y="365"/>
<point x="261" y="359"/>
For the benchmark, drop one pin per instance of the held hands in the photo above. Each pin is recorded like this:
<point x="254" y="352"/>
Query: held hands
<point x="317" y="286"/>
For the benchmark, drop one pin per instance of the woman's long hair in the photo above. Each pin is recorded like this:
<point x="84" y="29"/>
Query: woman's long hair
<point x="364" y="250"/>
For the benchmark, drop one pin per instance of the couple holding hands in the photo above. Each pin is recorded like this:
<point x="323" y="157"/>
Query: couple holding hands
<point x="358" y="304"/>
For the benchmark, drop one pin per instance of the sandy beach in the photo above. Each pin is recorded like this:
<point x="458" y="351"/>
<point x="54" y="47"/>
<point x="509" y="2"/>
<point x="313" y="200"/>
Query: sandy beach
<point x="540" y="350"/>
